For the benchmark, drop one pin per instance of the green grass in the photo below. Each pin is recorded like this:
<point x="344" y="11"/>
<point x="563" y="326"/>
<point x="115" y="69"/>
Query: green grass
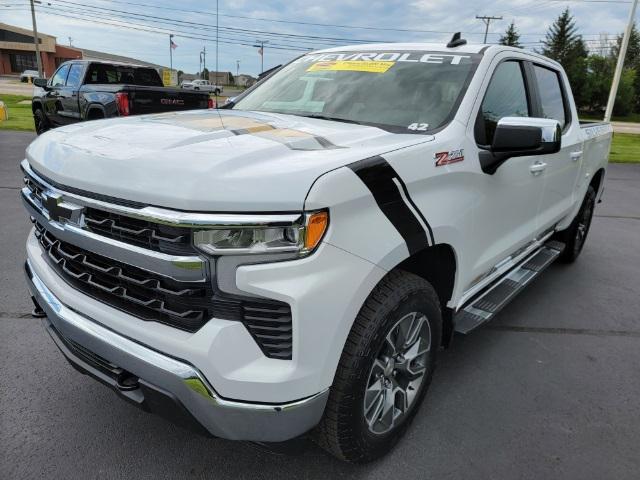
<point x="625" y="148"/>
<point x="632" y="117"/>
<point x="20" y="116"/>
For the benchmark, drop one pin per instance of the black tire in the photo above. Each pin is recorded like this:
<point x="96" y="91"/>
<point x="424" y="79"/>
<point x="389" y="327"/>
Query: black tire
<point x="40" y="121"/>
<point x="343" y="430"/>
<point x="196" y="88"/>
<point x="575" y="236"/>
<point x="216" y="92"/>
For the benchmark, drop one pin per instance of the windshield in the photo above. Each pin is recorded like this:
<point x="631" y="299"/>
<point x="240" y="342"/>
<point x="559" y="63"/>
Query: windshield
<point x="408" y="92"/>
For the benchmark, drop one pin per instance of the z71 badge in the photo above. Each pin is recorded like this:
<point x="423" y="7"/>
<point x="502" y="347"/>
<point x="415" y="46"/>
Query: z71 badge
<point x="447" y="158"/>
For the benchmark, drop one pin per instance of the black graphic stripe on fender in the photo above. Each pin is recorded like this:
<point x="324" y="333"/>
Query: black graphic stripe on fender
<point x="378" y="176"/>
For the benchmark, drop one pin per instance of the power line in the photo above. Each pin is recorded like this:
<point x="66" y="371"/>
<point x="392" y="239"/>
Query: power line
<point x="251" y="31"/>
<point x="158" y="31"/>
<point x="83" y="15"/>
<point x="272" y="20"/>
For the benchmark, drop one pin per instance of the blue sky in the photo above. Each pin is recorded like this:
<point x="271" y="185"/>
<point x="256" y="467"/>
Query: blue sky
<point x="435" y="19"/>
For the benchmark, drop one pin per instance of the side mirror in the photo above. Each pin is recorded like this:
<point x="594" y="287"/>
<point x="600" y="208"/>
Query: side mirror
<point x="519" y="137"/>
<point x="40" y="82"/>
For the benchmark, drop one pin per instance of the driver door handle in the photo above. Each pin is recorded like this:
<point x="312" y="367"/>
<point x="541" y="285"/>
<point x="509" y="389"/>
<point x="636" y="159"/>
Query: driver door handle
<point x="575" y="156"/>
<point x="537" y="168"/>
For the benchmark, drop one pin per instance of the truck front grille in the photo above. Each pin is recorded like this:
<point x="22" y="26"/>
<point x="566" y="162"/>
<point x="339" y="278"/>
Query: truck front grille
<point x="168" y="239"/>
<point x="179" y="304"/>
<point x="183" y="305"/>
<point x="186" y="305"/>
<point x="154" y="236"/>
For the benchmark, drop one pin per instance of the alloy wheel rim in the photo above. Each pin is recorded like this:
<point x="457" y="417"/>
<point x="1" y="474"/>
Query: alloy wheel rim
<point x="397" y="373"/>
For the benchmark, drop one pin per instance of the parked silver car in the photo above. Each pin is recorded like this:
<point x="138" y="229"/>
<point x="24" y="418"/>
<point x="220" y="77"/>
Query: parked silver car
<point x="28" y="75"/>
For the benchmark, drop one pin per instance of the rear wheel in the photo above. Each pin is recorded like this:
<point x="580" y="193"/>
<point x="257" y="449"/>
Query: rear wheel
<point x="575" y="236"/>
<point x="384" y="371"/>
<point x="40" y="121"/>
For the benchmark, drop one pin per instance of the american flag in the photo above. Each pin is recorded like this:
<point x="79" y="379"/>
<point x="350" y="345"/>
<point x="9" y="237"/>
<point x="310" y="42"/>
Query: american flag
<point x="172" y="44"/>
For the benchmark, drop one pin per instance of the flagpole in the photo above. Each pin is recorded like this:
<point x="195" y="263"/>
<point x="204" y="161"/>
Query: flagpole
<point x="170" y="54"/>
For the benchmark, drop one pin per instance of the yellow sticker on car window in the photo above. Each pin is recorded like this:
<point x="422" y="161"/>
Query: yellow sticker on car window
<point x="351" y="66"/>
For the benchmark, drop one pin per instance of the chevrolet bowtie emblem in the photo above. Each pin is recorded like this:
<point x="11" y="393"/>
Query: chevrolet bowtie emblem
<point x="59" y="210"/>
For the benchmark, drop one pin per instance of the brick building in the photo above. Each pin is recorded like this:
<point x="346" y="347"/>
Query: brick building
<point x="18" y="52"/>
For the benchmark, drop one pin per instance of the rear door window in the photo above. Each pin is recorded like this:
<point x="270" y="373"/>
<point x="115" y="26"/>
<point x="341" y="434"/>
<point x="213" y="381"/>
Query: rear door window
<point x="75" y="75"/>
<point x="551" y="97"/>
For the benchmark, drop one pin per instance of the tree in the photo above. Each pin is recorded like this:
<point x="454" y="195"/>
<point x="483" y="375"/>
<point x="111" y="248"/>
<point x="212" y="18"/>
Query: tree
<point x="624" y="103"/>
<point x="599" y="77"/>
<point x="632" y="60"/>
<point x="563" y="44"/>
<point x="511" y="37"/>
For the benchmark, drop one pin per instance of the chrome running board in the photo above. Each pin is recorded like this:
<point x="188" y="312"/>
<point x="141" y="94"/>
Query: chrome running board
<point x="488" y="303"/>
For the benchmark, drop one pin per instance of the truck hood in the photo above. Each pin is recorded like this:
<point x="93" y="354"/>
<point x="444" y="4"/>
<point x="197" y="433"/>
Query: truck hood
<point x="207" y="160"/>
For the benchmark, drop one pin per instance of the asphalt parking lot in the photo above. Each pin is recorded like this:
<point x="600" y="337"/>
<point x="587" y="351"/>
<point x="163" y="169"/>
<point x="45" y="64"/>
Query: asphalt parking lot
<point x="550" y="389"/>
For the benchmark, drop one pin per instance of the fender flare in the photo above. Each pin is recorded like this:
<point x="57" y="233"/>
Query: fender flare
<point x="92" y="107"/>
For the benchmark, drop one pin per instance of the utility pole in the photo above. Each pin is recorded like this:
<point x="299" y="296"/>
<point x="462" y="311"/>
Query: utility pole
<point x="486" y="20"/>
<point x="216" y="80"/>
<point x="36" y="40"/>
<point x="260" y="44"/>
<point x="619" y="66"/>
<point x="237" y="70"/>
<point x="204" y="60"/>
<point x="70" y="41"/>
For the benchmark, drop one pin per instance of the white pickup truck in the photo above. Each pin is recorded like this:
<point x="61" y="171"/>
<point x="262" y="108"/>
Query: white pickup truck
<point x="292" y="263"/>
<point x="204" y="85"/>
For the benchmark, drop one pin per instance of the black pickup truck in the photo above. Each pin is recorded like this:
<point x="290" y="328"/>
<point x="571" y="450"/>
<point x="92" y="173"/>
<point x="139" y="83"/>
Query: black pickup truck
<point x="88" y="90"/>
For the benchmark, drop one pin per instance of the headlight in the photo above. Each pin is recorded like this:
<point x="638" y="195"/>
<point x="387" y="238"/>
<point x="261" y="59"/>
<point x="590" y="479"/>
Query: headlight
<point x="300" y="238"/>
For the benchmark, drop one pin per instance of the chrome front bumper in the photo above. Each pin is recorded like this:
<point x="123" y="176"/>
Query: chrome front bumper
<point x="166" y="385"/>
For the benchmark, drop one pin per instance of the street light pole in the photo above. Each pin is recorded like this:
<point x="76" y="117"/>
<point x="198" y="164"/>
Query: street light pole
<point x="620" y="65"/>
<point x="36" y="40"/>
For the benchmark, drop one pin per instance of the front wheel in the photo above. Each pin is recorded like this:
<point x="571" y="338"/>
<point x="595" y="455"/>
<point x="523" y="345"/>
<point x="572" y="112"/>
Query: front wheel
<point x="575" y="236"/>
<point x="40" y="121"/>
<point x="384" y="371"/>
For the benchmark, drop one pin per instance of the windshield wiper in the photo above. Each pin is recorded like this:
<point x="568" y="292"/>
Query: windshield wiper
<point x="334" y="119"/>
